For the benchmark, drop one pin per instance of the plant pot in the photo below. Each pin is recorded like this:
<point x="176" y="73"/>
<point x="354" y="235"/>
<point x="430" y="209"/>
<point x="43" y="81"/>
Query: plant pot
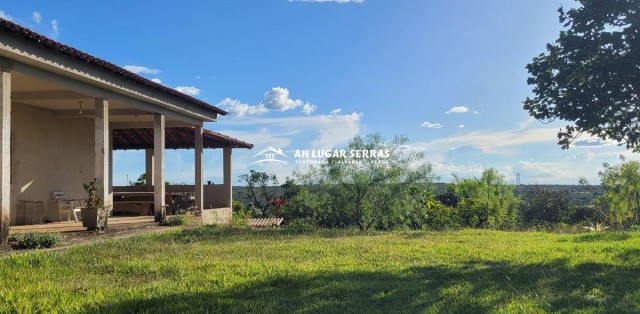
<point x="94" y="218"/>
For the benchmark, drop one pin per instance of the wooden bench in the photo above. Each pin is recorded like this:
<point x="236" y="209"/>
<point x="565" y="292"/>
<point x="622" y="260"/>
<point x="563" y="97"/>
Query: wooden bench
<point x="265" y="222"/>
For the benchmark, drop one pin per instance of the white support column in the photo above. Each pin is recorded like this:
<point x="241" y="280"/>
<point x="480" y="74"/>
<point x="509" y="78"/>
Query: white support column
<point x="226" y="160"/>
<point x="102" y="148"/>
<point x="5" y="155"/>
<point x="110" y="166"/>
<point x="158" y="167"/>
<point x="148" y="154"/>
<point x="198" y="149"/>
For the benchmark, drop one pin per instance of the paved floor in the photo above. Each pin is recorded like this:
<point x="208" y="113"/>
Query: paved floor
<point x="77" y="226"/>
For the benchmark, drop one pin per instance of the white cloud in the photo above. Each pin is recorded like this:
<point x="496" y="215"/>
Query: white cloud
<point x="335" y="111"/>
<point x="430" y="125"/>
<point x="549" y="170"/>
<point x="466" y="170"/>
<point x="278" y="99"/>
<point x="592" y="142"/>
<point x="308" y="109"/>
<point x="36" y="17"/>
<point x="332" y="130"/>
<point x="461" y="126"/>
<point x="493" y="142"/>
<point x="458" y="109"/>
<point x="156" y="80"/>
<point x="55" y="29"/>
<point x="138" y="69"/>
<point x="488" y="142"/>
<point x="189" y="90"/>
<point x="240" y="109"/>
<point x="335" y="1"/>
<point x="476" y="112"/>
<point x="6" y="16"/>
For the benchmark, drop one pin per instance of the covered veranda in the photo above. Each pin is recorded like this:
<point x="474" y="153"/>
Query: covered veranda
<point x="138" y="200"/>
<point x="62" y="114"/>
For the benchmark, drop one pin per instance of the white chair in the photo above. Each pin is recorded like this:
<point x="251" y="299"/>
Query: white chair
<point x="67" y="206"/>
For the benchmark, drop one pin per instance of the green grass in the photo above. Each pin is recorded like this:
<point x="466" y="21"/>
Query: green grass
<point x="208" y="270"/>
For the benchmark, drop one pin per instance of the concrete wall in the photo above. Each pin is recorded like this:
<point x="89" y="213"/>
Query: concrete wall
<point x="48" y="154"/>
<point x="218" y="216"/>
<point x="215" y="195"/>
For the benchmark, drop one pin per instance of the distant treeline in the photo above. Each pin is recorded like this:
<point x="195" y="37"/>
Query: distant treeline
<point x="576" y="194"/>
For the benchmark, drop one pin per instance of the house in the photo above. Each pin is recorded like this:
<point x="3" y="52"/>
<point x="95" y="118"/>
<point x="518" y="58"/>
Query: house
<point x="64" y="112"/>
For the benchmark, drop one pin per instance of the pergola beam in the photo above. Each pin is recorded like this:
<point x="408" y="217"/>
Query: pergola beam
<point x="48" y="95"/>
<point x="74" y="113"/>
<point x="149" y="125"/>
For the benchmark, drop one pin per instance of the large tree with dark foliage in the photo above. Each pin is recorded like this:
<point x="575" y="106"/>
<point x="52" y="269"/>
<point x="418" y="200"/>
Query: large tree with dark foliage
<point x="590" y="76"/>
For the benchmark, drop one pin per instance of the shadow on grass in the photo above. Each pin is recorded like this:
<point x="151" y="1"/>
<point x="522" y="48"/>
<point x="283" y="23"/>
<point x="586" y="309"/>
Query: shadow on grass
<point x="472" y="287"/>
<point x="602" y="237"/>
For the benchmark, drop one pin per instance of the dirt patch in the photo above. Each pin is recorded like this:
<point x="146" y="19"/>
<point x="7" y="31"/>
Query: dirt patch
<point x="83" y="237"/>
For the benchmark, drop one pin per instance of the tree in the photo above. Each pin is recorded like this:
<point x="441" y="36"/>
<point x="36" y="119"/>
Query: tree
<point x="545" y="205"/>
<point x="142" y="181"/>
<point x="486" y="201"/>
<point x="425" y="211"/>
<point x="259" y="191"/>
<point x="372" y="188"/>
<point x="590" y="76"/>
<point x="367" y="189"/>
<point x="622" y="191"/>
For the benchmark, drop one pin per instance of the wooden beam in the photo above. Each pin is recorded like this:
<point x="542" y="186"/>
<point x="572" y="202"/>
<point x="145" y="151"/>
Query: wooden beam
<point x="150" y="125"/>
<point x="73" y="113"/>
<point x="158" y="167"/>
<point x="5" y="155"/>
<point x="199" y="188"/>
<point x="48" y="95"/>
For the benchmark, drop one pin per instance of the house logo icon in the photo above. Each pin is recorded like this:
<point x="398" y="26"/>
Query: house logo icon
<point x="270" y="154"/>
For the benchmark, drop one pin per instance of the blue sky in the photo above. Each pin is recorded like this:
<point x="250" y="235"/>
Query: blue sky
<point x="312" y="74"/>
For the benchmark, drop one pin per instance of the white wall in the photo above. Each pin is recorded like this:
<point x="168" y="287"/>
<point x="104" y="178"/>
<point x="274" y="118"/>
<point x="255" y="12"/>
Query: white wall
<point x="49" y="154"/>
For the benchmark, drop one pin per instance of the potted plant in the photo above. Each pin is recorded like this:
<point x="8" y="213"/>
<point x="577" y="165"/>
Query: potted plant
<point x="95" y="214"/>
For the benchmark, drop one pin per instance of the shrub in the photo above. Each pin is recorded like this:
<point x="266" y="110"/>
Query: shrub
<point x="176" y="220"/>
<point x="240" y="216"/>
<point x="302" y="225"/>
<point x="542" y="206"/>
<point x="487" y="201"/>
<point x="34" y="240"/>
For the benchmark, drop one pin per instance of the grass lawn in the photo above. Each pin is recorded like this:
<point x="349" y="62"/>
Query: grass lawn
<point x="209" y="270"/>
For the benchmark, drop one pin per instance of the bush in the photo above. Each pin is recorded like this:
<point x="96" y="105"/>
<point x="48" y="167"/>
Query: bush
<point x="34" y="240"/>
<point x="176" y="220"/>
<point x="302" y="225"/>
<point x="542" y="206"/>
<point x="240" y="216"/>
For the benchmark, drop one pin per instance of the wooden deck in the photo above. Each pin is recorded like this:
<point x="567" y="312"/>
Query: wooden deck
<point x="114" y="222"/>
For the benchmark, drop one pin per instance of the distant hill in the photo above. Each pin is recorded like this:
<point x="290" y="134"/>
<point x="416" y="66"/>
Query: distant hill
<point x="577" y="194"/>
